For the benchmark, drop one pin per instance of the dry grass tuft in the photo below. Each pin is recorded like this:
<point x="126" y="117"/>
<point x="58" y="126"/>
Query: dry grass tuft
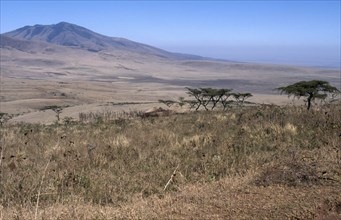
<point x="290" y="173"/>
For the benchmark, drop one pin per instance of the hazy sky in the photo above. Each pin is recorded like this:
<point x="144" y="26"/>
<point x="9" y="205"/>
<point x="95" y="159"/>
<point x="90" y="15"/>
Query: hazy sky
<point x="294" y="32"/>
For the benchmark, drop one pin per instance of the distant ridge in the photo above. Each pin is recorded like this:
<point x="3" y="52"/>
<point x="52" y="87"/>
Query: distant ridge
<point x="74" y="36"/>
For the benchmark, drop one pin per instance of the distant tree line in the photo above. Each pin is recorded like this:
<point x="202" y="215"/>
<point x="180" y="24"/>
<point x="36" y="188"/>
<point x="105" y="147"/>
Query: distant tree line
<point x="209" y="98"/>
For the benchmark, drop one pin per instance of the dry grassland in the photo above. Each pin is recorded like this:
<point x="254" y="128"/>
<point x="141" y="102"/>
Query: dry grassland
<point x="86" y="81"/>
<point x="262" y="162"/>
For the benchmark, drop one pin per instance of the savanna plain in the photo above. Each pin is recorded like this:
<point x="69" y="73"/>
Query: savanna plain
<point x="77" y="141"/>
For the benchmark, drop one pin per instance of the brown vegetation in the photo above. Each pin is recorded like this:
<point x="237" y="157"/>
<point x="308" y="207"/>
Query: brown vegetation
<point x="256" y="162"/>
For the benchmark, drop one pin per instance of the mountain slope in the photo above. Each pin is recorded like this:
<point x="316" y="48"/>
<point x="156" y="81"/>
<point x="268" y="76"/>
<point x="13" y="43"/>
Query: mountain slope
<point x="27" y="45"/>
<point x="75" y="36"/>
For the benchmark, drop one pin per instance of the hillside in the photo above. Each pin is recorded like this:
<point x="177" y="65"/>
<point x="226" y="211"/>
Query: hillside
<point x="75" y="36"/>
<point x="262" y="162"/>
<point x="25" y="45"/>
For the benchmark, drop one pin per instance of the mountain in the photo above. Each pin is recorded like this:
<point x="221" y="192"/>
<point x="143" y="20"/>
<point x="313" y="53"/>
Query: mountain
<point x="74" y="36"/>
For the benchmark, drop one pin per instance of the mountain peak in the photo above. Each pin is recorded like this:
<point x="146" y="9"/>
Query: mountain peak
<point x="67" y="25"/>
<point x="71" y="35"/>
<point x="63" y="33"/>
<point x="64" y="23"/>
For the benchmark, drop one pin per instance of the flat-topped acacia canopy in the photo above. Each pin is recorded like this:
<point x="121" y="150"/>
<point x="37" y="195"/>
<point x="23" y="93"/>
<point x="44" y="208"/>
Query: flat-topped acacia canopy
<point x="314" y="89"/>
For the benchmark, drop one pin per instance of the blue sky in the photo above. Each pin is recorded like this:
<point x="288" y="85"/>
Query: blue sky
<point x="293" y="32"/>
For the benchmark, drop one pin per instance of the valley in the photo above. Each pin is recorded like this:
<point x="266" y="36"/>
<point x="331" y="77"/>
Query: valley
<point x="39" y="68"/>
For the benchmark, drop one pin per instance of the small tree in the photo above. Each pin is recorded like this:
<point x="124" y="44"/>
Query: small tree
<point x="314" y="89"/>
<point x="209" y="95"/>
<point x="241" y="97"/>
<point x="197" y="94"/>
<point x="206" y="96"/>
<point x="57" y="109"/>
<point x="214" y="96"/>
<point x="224" y="98"/>
<point x="192" y="103"/>
<point x="181" y="101"/>
<point x="169" y="103"/>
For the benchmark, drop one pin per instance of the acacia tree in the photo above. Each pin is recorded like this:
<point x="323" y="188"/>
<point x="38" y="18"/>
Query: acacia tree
<point x="192" y="103"/>
<point x="206" y="96"/>
<point x="181" y="101"/>
<point x="198" y="95"/>
<point x="210" y="96"/>
<point x="169" y="103"/>
<point x="241" y="97"/>
<point x="224" y="98"/>
<point x="314" y="89"/>
<point x="216" y="96"/>
<point x="57" y="109"/>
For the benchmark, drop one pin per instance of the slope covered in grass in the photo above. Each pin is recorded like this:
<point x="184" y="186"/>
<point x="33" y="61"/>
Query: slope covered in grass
<point x="255" y="162"/>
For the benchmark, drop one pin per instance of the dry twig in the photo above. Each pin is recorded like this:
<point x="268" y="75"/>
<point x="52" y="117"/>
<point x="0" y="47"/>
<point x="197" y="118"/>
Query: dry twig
<point x="39" y="191"/>
<point x="171" y="178"/>
<point x="1" y="152"/>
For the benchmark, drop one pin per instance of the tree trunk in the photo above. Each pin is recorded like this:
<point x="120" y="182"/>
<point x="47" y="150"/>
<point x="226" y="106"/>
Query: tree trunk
<point x="310" y="97"/>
